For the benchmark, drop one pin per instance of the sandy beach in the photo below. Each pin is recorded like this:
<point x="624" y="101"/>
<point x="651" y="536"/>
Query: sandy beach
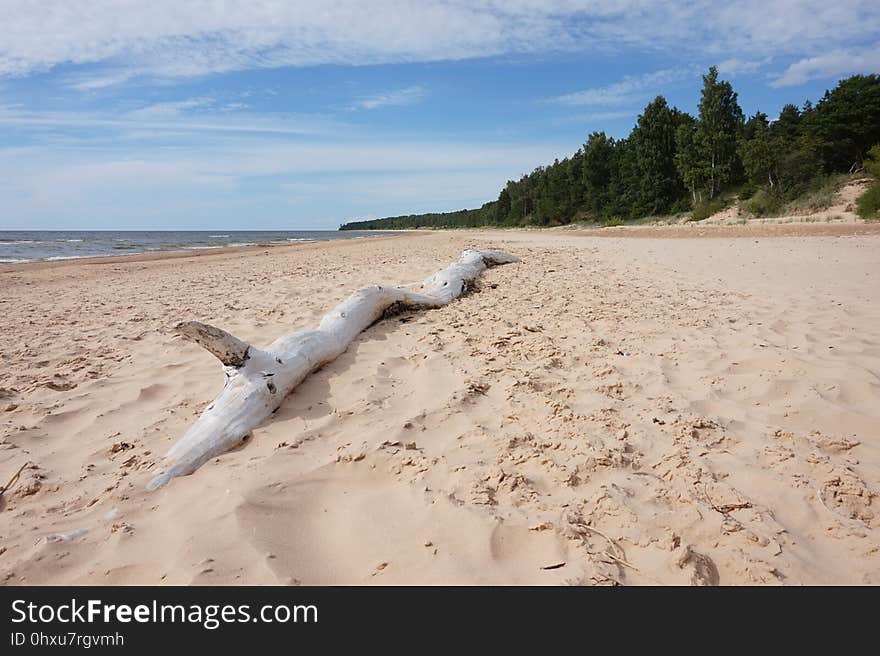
<point x="680" y="408"/>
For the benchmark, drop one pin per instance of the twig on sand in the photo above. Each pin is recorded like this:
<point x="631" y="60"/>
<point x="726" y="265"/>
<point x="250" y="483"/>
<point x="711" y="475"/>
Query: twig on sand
<point x="725" y="508"/>
<point x="13" y="479"/>
<point x="620" y="559"/>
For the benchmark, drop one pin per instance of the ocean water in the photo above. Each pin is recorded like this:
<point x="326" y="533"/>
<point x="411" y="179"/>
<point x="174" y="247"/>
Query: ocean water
<point x="30" y="246"/>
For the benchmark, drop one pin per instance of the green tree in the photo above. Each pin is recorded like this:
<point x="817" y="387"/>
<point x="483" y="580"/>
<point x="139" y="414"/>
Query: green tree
<point x="623" y="189"/>
<point x="598" y="169"/>
<point x="575" y="183"/>
<point x="643" y="173"/>
<point x="718" y="128"/>
<point x="788" y="125"/>
<point x="659" y="184"/>
<point x="846" y="122"/>
<point x="502" y="206"/>
<point x="751" y="126"/>
<point x="760" y="153"/>
<point x="689" y="158"/>
<point x="798" y="165"/>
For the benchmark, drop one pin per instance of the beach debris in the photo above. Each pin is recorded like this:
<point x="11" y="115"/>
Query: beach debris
<point x="12" y="480"/>
<point x="258" y="380"/>
<point x="703" y="569"/>
<point x="67" y="537"/>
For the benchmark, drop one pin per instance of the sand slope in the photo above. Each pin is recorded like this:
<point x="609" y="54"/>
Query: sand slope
<point x="709" y="405"/>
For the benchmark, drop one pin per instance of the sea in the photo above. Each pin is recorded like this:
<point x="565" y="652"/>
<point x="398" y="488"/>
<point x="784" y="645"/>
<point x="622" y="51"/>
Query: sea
<point x="30" y="246"/>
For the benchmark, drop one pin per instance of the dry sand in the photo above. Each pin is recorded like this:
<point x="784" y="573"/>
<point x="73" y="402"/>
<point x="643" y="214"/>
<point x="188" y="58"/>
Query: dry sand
<point x="610" y="410"/>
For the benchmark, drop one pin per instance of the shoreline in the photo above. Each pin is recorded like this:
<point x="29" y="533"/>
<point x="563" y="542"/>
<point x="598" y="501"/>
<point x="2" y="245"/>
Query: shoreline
<point x="658" y="231"/>
<point x="156" y="256"/>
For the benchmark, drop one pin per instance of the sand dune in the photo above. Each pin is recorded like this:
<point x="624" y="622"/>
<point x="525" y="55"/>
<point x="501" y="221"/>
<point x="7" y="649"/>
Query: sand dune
<point x="611" y="410"/>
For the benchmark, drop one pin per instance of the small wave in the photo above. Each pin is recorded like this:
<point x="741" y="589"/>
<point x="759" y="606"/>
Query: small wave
<point x="69" y="241"/>
<point x="199" y="248"/>
<point x="14" y="260"/>
<point x="217" y="236"/>
<point x="243" y="243"/>
<point x="300" y="239"/>
<point x="64" y="257"/>
<point x="126" y="247"/>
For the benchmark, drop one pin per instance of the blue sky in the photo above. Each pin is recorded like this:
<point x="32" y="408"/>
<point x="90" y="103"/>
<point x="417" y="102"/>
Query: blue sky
<point x="279" y="114"/>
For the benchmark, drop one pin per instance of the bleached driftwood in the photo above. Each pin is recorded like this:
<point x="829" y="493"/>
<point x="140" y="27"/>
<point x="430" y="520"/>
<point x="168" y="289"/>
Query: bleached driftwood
<point x="257" y="380"/>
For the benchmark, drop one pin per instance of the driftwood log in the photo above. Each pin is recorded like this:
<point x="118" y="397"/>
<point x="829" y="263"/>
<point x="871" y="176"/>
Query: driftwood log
<point x="257" y="380"/>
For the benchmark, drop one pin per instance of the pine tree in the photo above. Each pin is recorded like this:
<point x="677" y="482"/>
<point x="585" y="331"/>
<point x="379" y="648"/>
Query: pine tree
<point x="788" y="125"/>
<point x="659" y="184"/>
<point x="846" y="122"/>
<point x="598" y="170"/>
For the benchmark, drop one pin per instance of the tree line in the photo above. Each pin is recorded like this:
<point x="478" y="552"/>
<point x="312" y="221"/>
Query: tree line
<point x="673" y="162"/>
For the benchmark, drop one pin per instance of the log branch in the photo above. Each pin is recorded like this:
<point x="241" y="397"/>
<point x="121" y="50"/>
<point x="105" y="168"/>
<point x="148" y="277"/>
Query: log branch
<point x="257" y="380"/>
<point x="230" y="350"/>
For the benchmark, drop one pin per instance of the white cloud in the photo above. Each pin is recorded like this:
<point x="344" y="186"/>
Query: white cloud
<point x="612" y="116"/>
<point x="734" y="67"/>
<point x="99" y="81"/>
<point x="831" y="64"/>
<point x="170" y="117"/>
<point x="172" y="38"/>
<point x="627" y="90"/>
<point x="170" y="109"/>
<point x="406" y="96"/>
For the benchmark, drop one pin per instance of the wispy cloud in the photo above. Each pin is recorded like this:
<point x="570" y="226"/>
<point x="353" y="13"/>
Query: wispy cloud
<point x="169" y="117"/>
<point x="234" y="107"/>
<point x="598" y="120"/>
<point x="735" y="66"/>
<point x="95" y="82"/>
<point x="831" y="64"/>
<point x="612" y="116"/>
<point x="170" y="38"/>
<point x="170" y="109"/>
<point x="631" y="88"/>
<point x="407" y="96"/>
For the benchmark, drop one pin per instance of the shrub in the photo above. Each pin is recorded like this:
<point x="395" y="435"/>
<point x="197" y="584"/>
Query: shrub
<point x="799" y="171"/>
<point x="763" y="203"/>
<point x="680" y="206"/>
<point x="707" y="208"/>
<point x="812" y="201"/>
<point x="868" y="204"/>
<point x="748" y="190"/>
<point x="872" y="161"/>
